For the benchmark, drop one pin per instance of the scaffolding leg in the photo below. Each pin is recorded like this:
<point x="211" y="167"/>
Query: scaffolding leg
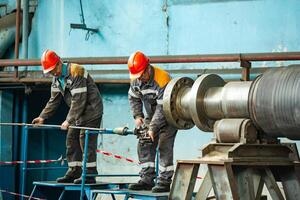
<point x="184" y="180"/>
<point x="33" y="190"/>
<point x="290" y="183"/>
<point x="61" y="195"/>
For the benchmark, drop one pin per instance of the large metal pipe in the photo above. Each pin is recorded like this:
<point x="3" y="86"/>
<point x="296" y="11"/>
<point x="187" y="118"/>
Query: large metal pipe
<point x="17" y="35"/>
<point x="275" y="102"/>
<point x="165" y="59"/>
<point x="230" y="101"/>
<point x="272" y="102"/>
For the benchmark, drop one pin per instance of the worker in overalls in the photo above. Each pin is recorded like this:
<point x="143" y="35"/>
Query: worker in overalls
<point x="72" y="83"/>
<point x="146" y="90"/>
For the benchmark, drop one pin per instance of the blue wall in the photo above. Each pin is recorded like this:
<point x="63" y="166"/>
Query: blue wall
<point x="167" y="27"/>
<point x="162" y="27"/>
<point x="158" y="28"/>
<point x="233" y="26"/>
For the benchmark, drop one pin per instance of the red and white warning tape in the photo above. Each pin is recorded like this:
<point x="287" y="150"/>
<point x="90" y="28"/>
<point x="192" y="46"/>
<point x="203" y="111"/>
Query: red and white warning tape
<point x="123" y="158"/>
<point x="20" y="195"/>
<point x="31" y="161"/>
<point x="117" y="156"/>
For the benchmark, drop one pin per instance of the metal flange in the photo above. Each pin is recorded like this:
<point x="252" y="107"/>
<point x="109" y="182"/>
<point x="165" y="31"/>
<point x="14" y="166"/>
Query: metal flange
<point x="176" y="101"/>
<point x="197" y="95"/>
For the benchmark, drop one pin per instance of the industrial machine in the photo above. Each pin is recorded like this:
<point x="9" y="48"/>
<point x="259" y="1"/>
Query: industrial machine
<point x="247" y="119"/>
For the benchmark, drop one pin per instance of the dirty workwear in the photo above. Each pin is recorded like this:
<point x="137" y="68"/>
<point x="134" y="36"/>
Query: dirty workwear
<point x="81" y="94"/>
<point x="150" y="95"/>
<point x="75" y="147"/>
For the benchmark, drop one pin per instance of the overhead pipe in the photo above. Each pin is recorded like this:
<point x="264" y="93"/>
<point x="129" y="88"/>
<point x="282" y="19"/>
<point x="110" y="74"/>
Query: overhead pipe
<point x="25" y="29"/>
<point x="165" y="59"/>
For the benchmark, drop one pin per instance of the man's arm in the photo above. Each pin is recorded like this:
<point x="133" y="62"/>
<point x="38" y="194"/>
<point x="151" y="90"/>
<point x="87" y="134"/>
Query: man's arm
<point x="53" y="103"/>
<point x="136" y="104"/>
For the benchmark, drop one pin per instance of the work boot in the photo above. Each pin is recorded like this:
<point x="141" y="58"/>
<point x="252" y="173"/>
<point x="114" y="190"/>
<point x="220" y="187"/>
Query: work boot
<point x="88" y="180"/>
<point x="140" y="186"/>
<point x="72" y="174"/>
<point x="161" y="188"/>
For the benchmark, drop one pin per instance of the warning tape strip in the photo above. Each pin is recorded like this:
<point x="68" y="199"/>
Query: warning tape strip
<point x="31" y="161"/>
<point x="20" y="195"/>
<point x="62" y="160"/>
<point x="117" y="156"/>
<point x="124" y="158"/>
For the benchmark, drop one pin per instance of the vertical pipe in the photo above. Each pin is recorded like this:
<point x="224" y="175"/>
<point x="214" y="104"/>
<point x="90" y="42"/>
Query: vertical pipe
<point x="246" y="65"/>
<point x="17" y="36"/>
<point x="25" y="29"/>
<point x="43" y="134"/>
<point x="24" y="158"/>
<point x="16" y="128"/>
<point x="86" y="141"/>
<point x="16" y="136"/>
<point x="24" y="148"/>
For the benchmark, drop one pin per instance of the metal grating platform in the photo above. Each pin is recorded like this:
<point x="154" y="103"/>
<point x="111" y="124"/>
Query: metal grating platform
<point x="53" y="190"/>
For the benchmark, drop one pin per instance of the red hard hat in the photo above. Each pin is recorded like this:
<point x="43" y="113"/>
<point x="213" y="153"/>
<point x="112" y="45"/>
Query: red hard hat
<point x="137" y="63"/>
<point x="49" y="60"/>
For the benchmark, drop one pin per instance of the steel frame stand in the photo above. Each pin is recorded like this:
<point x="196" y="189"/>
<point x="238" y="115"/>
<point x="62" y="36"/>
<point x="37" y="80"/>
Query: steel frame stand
<point x="239" y="172"/>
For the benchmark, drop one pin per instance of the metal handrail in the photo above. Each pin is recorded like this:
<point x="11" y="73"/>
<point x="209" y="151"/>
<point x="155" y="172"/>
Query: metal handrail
<point x="118" y="130"/>
<point x="165" y="59"/>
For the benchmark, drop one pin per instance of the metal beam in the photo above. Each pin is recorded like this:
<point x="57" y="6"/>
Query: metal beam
<point x="165" y="59"/>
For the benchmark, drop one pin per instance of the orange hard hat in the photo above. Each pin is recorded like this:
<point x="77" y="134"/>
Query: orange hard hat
<point x="49" y="60"/>
<point x="137" y="63"/>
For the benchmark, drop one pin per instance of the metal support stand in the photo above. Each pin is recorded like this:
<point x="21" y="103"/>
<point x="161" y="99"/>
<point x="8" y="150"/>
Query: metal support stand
<point x="239" y="172"/>
<point x="86" y="141"/>
<point x="54" y="190"/>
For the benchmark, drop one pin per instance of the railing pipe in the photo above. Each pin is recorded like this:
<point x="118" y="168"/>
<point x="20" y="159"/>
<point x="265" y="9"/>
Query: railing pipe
<point x="165" y="59"/>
